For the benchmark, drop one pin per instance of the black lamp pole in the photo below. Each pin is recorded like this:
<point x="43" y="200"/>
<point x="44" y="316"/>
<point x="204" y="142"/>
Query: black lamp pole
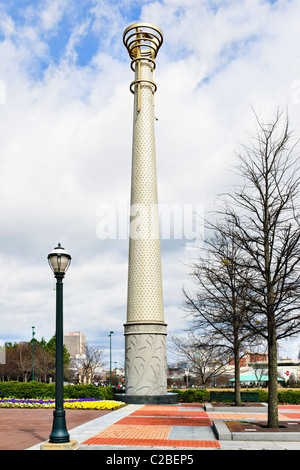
<point x="110" y="378"/>
<point x="33" y="333"/>
<point x="59" y="261"/>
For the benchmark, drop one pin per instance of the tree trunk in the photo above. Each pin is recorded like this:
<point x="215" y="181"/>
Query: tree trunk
<point x="237" y="384"/>
<point x="272" y="363"/>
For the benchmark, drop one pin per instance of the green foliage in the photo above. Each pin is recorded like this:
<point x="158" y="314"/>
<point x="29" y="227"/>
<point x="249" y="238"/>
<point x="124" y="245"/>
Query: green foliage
<point x="88" y="391"/>
<point x="31" y="389"/>
<point x="44" y="359"/>
<point x="51" y="348"/>
<point x="291" y="397"/>
<point x="192" y="395"/>
<point x="263" y="395"/>
<point x="35" y="389"/>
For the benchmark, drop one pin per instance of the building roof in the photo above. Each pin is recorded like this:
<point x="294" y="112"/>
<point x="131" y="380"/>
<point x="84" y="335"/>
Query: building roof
<point x="253" y="378"/>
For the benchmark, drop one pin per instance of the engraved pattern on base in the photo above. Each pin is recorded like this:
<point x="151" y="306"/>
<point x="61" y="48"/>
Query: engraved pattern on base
<point x="146" y="364"/>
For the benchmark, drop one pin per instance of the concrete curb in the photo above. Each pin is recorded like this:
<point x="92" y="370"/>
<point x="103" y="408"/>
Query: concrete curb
<point x="224" y="434"/>
<point x="221" y="431"/>
<point x="236" y="409"/>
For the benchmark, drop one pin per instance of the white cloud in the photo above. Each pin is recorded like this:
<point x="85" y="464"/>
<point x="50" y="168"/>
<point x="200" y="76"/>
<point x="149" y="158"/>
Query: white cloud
<point x="66" y="132"/>
<point x="52" y="13"/>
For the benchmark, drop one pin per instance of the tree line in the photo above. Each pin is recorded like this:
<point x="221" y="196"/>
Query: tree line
<point x="32" y="360"/>
<point x="35" y="360"/>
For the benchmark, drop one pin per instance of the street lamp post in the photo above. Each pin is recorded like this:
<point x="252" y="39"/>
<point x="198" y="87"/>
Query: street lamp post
<point x="59" y="261"/>
<point x="33" y="333"/>
<point x="110" y="379"/>
<point x="115" y="363"/>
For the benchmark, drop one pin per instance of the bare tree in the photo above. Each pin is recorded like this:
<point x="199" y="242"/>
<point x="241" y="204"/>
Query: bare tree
<point x="201" y="355"/>
<point x="20" y="360"/>
<point x="265" y="213"/>
<point x="88" y="364"/>
<point x="219" y="304"/>
<point x="44" y="362"/>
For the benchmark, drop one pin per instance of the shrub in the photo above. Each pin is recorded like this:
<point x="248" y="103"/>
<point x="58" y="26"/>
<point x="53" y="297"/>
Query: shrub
<point x="263" y="395"/>
<point x="291" y="397"/>
<point x="88" y="391"/>
<point x="35" y="389"/>
<point x="192" y="395"/>
<point x="31" y="389"/>
<point x="201" y="396"/>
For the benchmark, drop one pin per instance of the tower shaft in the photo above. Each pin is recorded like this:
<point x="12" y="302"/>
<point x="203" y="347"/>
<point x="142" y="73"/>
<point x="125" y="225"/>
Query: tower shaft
<point x="145" y="329"/>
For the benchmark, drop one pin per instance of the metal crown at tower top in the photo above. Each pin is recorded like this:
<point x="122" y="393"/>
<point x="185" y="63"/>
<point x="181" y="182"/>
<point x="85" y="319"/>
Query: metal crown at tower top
<point x="142" y="41"/>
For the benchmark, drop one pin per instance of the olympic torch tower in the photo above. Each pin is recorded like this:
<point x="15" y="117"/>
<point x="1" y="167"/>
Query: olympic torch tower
<point x="145" y="329"/>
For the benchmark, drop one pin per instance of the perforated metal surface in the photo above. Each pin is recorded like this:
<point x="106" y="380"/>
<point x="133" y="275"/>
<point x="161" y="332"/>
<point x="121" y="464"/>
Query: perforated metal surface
<point x="145" y="296"/>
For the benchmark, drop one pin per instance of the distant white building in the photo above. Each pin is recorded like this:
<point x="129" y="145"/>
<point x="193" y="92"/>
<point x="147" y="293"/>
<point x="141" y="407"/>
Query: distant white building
<point x="258" y="373"/>
<point x="289" y="367"/>
<point x="75" y="343"/>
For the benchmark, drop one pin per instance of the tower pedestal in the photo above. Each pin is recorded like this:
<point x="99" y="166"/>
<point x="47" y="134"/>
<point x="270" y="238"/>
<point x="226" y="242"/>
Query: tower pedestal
<point x="145" y="356"/>
<point x="168" y="399"/>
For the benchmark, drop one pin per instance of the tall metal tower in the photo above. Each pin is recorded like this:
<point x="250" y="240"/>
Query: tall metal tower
<point x="145" y="329"/>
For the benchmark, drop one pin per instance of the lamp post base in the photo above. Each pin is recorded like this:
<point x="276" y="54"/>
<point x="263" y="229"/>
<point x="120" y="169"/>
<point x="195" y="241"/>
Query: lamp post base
<point x="59" y="434"/>
<point x="71" y="445"/>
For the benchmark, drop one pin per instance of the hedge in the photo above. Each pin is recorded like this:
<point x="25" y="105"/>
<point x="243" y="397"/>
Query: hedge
<point x="35" y="389"/>
<point x="192" y="395"/>
<point x="291" y="397"/>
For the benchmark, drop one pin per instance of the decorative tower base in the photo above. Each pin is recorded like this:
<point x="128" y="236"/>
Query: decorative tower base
<point x="145" y="329"/>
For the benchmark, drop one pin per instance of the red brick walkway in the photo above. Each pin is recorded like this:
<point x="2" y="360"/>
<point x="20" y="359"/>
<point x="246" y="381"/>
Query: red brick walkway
<point x="151" y="426"/>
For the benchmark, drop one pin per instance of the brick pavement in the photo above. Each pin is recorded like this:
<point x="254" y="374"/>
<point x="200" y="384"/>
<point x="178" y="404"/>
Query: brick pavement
<point x="156" y="425"/>
<point x="23" y="428"/>
<point x="152" y="425"/>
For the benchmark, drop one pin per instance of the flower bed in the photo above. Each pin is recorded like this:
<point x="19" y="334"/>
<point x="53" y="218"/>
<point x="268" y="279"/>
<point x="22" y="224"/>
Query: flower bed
<point x="74" y="404"/>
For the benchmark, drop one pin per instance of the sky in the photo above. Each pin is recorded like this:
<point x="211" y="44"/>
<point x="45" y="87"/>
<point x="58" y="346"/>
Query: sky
<point x="66" y="136"/>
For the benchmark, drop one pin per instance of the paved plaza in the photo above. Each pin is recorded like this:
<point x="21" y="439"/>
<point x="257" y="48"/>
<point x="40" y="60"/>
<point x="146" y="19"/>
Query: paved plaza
<point x="182" y="427"/>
